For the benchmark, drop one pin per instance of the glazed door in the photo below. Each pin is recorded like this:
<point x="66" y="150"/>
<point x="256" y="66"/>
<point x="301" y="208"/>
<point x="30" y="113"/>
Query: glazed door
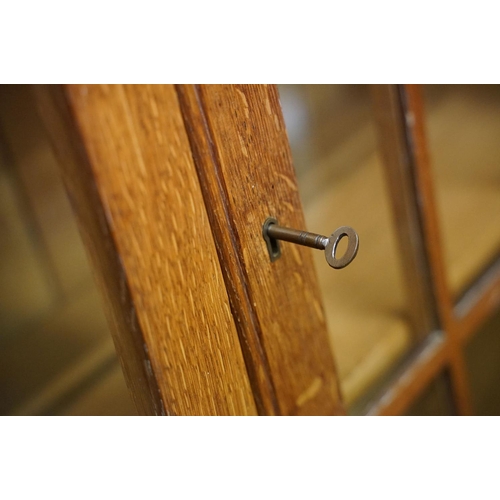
<point x="172" y="185"/>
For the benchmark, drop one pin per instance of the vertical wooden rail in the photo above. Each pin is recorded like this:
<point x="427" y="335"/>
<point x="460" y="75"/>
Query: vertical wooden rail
<point x="247" y="323"/>
<point x="129" y="172"/>
<point x="243" y="161"/>
<point x="171" y="188"/>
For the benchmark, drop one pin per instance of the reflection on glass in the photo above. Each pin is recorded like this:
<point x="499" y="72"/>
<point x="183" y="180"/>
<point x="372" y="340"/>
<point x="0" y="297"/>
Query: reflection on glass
<point x="341" y="181"/>
<point x="463" y="129"/>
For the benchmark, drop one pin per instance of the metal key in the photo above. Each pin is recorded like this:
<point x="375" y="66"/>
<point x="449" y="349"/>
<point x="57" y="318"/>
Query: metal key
<point x="273" y="232"/>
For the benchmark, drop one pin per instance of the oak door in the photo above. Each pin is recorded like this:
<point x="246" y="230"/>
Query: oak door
<point x="171" y="186"/>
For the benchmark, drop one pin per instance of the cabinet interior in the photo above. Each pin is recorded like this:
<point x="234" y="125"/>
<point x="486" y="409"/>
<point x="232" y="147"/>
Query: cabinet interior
<point x="341" y="180"/>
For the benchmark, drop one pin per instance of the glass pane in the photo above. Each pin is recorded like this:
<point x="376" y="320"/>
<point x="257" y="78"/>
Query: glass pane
<point x="435" y="401"/>
<point x="482" y="355"/>
<point x="463" y="129"/>
<point x="341" y="181"/>
<point x="20" y="264"/>
<point x="56" y="353"/>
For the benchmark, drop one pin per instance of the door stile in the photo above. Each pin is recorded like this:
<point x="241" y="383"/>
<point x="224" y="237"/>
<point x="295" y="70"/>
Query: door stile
<point x="228" y="250"/>
<point x="243" y="161"/>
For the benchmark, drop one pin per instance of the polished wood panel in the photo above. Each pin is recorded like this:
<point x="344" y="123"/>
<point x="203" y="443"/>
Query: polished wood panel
<point x="243" y="160"/>
<point x="234" y="274"/>
<point x="129" y="171"/>
<point x="235" y="165"/>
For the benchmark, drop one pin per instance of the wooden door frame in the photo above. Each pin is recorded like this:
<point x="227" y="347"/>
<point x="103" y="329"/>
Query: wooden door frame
<point x="171" y="186"/>
<point x="202" y="321"/>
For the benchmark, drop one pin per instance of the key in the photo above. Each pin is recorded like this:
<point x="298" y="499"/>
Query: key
<point x="273" y="233"/>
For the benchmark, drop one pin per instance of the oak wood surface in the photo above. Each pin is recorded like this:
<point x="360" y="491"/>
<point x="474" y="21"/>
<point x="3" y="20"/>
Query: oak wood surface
<point x="469" y="313"/>
<point x="243" y="160"/>
<point x="128" y="169"/>
<point x="228" y="250"/>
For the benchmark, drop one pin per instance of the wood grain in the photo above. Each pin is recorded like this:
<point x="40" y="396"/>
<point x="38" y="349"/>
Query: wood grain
<point x="129" y="171"/>
<point x="234" y="274"/>
<point x="244" y="163"/>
